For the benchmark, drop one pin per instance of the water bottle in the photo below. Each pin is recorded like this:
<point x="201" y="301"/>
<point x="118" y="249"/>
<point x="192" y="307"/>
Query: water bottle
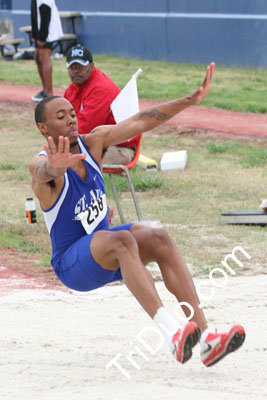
<point x="30" y="211"/>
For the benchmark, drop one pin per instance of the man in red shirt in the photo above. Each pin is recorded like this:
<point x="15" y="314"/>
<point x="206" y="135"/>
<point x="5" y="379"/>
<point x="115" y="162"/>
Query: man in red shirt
<point x="91" y="94"/>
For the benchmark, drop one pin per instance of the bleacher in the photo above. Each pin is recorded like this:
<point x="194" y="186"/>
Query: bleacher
<point x="63" y="43"/>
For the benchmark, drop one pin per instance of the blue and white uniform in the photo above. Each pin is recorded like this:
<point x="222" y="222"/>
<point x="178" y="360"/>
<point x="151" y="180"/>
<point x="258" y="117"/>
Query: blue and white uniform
<point x="78" y="213"/>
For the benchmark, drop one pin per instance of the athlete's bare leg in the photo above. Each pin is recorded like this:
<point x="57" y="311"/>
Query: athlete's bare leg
<point x="131" y="251"/>
<point x="156" y="245"/>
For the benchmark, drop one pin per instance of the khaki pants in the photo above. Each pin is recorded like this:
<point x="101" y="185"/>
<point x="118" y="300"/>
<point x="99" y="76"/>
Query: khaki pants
<point x="118" y="155"/>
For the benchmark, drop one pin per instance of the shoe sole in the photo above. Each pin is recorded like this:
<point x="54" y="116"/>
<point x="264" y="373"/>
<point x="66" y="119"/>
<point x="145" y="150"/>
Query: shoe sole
<point x="190" y="340"/>
<point x="234" y="343"/>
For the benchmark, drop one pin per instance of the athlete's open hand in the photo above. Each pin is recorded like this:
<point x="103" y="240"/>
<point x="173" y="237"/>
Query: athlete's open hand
<point x="204" y="89"/>
<point x="59" y="156"/>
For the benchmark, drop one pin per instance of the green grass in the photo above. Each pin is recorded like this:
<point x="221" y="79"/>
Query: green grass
<point x="142" y="182"/>
<point x="214" y="147"/>
<point x="9" y="166"/>
<point x="237" y="89"/>
<point x="15" y="237"/>
<point x="255" y="157"/>
<point x="246" y="155"/>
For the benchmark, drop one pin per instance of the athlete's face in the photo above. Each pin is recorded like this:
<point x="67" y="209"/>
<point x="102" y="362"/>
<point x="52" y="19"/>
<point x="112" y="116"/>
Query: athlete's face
<point x="80" y="74"/>
<point x="60" y="120"/>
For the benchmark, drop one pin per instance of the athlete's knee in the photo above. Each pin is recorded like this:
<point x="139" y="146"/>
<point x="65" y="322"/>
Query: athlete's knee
<point x="124" y="242"/>
<point x="161" y="241"/>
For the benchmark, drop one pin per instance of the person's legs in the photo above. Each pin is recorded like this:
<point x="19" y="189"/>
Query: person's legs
<point x="131" y="251"/>
<point x="44" y="66"/>
<point x="38" y="63"/>
<point x="97" y="255"/>
<point x="45" y="69"/>
<point x="118" y="155"/>
<point x="121" y="249"/>
<point x="77" y="269"/>
<point x="106" y="256"/>
<point x="156" y="245"/>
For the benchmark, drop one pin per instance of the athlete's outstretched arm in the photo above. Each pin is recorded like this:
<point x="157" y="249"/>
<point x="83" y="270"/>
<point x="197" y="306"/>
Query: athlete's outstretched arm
<point x="154" y="116"/>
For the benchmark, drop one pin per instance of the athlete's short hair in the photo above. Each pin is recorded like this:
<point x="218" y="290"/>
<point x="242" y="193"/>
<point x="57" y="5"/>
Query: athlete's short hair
<point x="39" y="112"/>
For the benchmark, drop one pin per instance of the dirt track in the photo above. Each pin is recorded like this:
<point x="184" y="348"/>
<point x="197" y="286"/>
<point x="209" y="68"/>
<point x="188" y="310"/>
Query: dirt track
<point x="194" y="117"/>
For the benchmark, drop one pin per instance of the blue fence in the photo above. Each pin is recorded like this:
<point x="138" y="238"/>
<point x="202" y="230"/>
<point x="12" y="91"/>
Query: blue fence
<point x="196" y="31"/>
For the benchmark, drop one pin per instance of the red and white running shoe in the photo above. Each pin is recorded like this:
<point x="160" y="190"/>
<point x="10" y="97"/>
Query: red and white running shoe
<point x="184" y="340"/>
<point x="218" y="345"/>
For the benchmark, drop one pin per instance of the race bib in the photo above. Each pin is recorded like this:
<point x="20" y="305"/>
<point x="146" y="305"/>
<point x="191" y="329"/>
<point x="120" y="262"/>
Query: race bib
<point x="94" y="214"/>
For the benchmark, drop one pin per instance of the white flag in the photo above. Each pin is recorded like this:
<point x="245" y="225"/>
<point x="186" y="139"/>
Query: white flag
<point x="126" y="103"/>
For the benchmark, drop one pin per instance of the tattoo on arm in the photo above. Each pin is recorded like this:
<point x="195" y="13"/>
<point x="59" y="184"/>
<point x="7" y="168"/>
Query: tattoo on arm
<point x="156" y="114"/>
<point x="44" y="172"/>
<point x="37" y="167"/>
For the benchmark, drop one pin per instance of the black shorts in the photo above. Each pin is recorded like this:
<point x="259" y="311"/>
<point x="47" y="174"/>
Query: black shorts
<point x="48" y="45"/>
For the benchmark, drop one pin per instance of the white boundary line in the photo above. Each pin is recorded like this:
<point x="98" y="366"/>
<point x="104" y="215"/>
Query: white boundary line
<point x="161" y="15"/>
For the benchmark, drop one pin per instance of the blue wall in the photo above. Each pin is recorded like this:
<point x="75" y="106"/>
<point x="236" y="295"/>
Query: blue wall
<point x="5" y="4"/>
<point x="230" y="32"/>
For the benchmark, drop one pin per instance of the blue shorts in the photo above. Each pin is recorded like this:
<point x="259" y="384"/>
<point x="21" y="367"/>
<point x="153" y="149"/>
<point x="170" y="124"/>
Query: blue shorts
<point x="79" y="271"/>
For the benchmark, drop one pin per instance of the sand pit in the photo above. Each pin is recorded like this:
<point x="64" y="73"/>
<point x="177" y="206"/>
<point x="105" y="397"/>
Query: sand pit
<point x="57" y="344"/>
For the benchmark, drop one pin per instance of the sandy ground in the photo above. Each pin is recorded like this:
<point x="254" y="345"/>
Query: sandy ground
<point x="57" y="344"/>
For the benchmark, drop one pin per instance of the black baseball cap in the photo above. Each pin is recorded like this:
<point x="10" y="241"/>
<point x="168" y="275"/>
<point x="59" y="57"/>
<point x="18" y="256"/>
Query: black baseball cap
<point x="78" y="54"/>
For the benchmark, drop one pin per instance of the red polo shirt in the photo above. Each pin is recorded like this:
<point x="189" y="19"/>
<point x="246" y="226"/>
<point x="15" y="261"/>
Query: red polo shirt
<point x="91" y="102"/>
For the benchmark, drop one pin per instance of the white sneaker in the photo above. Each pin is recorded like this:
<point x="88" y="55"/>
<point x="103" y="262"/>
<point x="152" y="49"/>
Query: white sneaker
<point x="39" y="96"/>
